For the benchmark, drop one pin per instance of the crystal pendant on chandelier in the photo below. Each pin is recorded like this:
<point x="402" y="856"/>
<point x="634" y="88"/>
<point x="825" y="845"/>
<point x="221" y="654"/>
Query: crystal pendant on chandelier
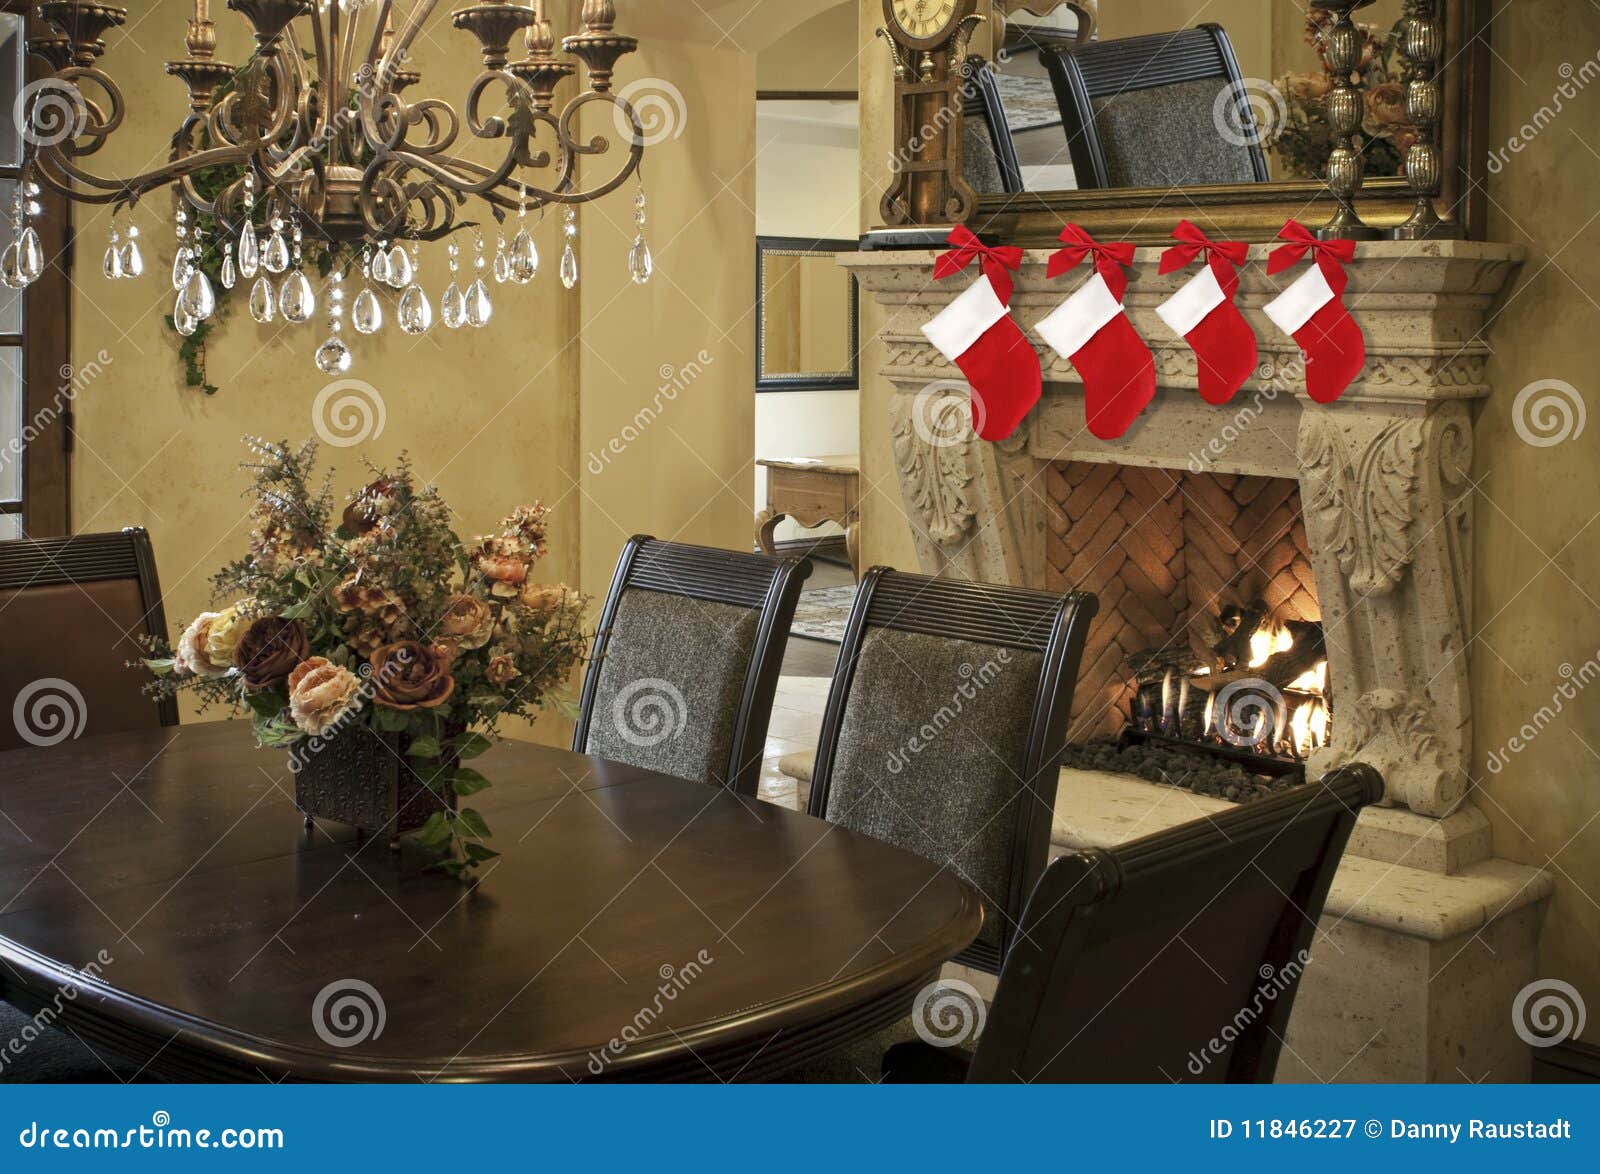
<point x="198" y="300"/>
<point x="524" y="257"/>
<point x="8" y="267"/>
<point x="111" y="264"/>
<point x="132" y="258"/>
<point x="502" y="263"/>
<point x="297" y="301"/>
<point x="366" y="313"/>
<point x="478" y="307"/>
<point x="569" y="255"/>
<point x="230" y="275"/>
<point x="249" y="251"/>
<point x="275" y="257"/>
<point x="263" y="303"/>
<point x="30" y="255"/>
<point x="640" y="264"/>
<point x="379" y="268"/>
<point x="182" y="321"/>
<point x="415" y="313"/>
<point x="180" y="267"/>
<point x="333" y="357"/>
<point x="452" y="307"/>
<point x="400" y="268"/>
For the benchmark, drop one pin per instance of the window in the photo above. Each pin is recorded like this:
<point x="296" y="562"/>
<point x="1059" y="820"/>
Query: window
<point x="35" y="412"/>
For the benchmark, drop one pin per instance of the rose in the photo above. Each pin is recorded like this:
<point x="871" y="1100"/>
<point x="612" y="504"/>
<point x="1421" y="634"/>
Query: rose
<point x="269" y="650"/>
<point x="410" y="675"/>
<point x="1307" y="87"/>
<point x="227" y="627"/>
<point x="190" y="659"/>
<point x="321" y="694"/>
<point x="544" y="598"/>
<point x="468" y="621"/>
<point x="447" y="649"/>
<point x="502" y="670"/>
<point x="501" y="562"/>
<point x="1384" y="106"/>
<point x="364" y="513"/>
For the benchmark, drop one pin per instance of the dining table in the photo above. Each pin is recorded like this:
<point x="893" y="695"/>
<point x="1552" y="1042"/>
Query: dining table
<point x="162" y="898"/>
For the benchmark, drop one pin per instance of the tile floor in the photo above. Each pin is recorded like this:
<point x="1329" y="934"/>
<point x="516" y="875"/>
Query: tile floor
<point x="796" y="718"/>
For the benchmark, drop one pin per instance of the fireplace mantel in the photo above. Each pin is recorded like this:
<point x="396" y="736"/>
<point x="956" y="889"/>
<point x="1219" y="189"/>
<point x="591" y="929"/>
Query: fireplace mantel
<point x="1384" y="471"/>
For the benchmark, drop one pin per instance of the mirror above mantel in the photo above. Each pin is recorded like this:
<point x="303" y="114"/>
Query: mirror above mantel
<point x="1123" y="115"/>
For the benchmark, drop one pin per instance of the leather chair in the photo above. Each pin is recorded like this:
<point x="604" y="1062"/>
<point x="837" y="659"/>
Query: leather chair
<point x="1175" y="957"/>
<point x="72" y="610"/>
<point x="686" y="661"/>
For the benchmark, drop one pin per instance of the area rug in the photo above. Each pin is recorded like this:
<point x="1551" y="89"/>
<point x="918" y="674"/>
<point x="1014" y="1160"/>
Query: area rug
<point x="821" y="614"/>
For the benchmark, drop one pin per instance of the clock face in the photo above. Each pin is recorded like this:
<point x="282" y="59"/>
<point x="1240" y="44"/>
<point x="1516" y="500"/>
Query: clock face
<point x="923" y="18"/>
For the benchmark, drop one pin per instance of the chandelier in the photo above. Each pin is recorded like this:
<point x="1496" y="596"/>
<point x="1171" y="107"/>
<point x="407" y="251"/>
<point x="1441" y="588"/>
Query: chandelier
<point x="310" y="157"/>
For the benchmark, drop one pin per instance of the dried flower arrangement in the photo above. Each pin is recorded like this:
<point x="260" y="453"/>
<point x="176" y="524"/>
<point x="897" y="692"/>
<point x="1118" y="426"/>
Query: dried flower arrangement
<point x="381" y="618"/>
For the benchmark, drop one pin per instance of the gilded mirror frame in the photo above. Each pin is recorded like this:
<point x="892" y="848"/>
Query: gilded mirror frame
<point x="1247" y="211"/>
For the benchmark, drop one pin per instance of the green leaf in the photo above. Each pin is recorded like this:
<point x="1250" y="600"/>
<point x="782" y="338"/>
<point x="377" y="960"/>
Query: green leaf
<point x="473" y="824"/>
<point x="435" y="833"/>
<point x="478" y="853"/>
<point x="266" y="703"/>
<point x="164" y="666"/>
<point x="467" y="781"/>
<point x="470" y="745"/>
<point x="389" y="721"/>
<point x="424" y="747"/>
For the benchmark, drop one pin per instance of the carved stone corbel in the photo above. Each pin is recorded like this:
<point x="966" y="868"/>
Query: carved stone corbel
<point x="974" y="507"/>
<point x="1388" y="510"/>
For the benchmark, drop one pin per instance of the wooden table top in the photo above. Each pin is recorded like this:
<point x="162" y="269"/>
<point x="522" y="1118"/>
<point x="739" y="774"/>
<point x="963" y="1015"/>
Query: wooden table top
<point x="707" y="934"/>
<point x="848" y="464"/>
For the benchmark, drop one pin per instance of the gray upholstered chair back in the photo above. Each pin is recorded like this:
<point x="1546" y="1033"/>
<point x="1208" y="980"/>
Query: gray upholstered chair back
<point x="944" y="729"/>
<point x="1163" y="110"/>
<point x="686" y="661"/>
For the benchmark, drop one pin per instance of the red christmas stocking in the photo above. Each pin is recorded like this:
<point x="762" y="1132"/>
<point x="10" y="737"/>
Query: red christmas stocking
<point x="977" y="334"/>
<point x="1203" y="313"/>
<point x="1311" y="312"/>
<point x="1092" y="331"/>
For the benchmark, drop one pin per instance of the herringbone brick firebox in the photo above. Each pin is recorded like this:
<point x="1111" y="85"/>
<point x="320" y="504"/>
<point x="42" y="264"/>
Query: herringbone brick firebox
<point x="1164" y="549"/>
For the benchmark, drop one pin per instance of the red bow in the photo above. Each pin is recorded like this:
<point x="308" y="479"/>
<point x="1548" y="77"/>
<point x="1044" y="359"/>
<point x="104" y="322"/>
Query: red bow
<point x="1195" y="243"/>
<point x="968" y="248"/>
<point x="1331" y="256"/>
<point x="1107" y="258"/>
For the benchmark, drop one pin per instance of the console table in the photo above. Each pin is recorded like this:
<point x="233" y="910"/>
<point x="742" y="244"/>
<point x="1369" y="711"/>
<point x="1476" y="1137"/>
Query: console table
<point x="813" y="490"/>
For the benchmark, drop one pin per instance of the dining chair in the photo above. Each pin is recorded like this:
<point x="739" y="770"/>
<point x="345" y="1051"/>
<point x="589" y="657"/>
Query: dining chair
<point x="989" y="153"/>
<point x="686" y="661"/>
<point x="73" y="610"/>
<point x="944" y="728"/>
<point x="1147" y="111"/>
<point x="1175" y="957"/>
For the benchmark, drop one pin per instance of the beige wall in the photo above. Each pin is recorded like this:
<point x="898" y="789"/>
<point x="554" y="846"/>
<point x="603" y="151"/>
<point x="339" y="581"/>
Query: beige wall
<point x="1537" y="603"/>
<point x="496" y="416"/>
<point x="1537" y="548"/>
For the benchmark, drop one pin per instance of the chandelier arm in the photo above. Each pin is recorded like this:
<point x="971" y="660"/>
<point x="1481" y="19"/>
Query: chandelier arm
<point x="129" y="187"/>
<point x="73" y="113"/>
<point x="436" y="113"/>
<point x="375" y="46"/>
<point x="401" y="45"/>
<point x="517" y="91"/>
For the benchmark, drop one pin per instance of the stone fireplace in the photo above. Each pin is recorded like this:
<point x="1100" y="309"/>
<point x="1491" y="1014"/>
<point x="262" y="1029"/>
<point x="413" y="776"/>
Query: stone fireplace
<point x="1357" y="514"/>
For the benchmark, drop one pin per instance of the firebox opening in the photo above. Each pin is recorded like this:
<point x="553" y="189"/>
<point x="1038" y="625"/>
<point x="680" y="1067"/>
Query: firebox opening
<point x="1207" y="667"/>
